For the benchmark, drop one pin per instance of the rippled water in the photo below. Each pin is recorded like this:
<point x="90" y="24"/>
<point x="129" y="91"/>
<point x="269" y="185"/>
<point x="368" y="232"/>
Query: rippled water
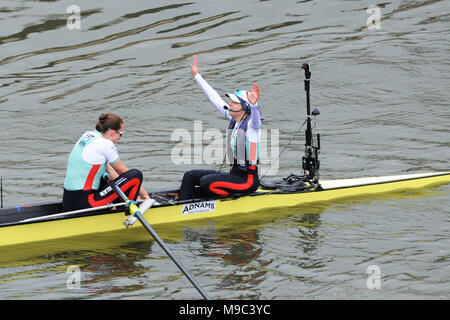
<point x="383" y="96"/>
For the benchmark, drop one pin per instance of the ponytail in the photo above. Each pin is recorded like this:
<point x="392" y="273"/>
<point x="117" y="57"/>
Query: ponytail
<point x="108" y="121"/>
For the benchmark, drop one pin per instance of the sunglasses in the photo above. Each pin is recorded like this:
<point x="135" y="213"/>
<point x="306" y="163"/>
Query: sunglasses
<point x="120" y="133"/>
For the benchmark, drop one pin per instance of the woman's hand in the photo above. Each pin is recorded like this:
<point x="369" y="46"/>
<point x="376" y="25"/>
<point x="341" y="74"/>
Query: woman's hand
<point x="143" y="194"/>
<point x="194" y="67"/>
<point x="253" y="96"/>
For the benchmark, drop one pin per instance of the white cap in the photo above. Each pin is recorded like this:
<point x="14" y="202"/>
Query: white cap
<point x="238" y="93"/>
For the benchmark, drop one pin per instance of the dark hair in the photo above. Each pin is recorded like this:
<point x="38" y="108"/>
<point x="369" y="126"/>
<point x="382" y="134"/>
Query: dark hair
<point x="108" y="121"/>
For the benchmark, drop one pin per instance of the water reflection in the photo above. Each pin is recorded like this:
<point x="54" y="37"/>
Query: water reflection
<point x="234" y="258"/>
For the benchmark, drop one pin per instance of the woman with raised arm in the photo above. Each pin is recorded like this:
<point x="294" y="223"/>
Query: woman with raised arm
<point x="243" y="139"/>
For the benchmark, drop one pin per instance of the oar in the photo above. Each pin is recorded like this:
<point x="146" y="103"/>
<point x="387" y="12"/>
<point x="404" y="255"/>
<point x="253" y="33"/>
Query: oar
<point x="136" y="212"/>
<point x="68" y="213"/>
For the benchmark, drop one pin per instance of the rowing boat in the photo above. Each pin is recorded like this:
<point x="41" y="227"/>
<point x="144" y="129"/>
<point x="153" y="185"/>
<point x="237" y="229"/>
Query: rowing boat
<point x="18" y="225"/>
<point x="48" y="221"/>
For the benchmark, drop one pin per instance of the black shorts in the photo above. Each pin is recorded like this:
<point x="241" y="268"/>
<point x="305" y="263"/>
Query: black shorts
<point x="216" y="183"/>
<point x="129" y="182"/>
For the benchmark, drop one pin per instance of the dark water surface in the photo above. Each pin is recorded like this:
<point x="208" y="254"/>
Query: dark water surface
<point x="383" y="96"/>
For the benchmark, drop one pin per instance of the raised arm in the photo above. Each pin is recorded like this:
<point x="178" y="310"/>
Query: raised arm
<point x="212" y="94"/>
<point x="253" y="97"/>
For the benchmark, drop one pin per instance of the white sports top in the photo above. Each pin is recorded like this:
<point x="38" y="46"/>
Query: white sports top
<point x="87" y="161"/>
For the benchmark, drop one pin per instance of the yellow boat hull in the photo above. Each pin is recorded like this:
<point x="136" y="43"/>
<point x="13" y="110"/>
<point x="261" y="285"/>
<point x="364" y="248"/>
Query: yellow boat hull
<point x="334" y="189"/>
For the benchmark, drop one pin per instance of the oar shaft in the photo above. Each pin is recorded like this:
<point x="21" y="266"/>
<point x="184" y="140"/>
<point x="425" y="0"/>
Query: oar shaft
<point x="147" y="226"/>
<point x="118" y="190"/>
<point x="172" y="256"/>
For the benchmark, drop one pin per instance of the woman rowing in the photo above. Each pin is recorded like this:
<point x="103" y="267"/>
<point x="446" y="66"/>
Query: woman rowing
<point x="93" y="154"/>
<point x="242" y="149"/>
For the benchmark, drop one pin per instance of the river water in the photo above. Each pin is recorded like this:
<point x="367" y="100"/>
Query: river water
<point x="382" y="90"/>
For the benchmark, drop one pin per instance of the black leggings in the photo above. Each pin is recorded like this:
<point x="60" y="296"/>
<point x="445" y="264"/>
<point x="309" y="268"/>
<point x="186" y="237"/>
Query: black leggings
<point x="216" y="183"/>
<point x="129" y="182"/>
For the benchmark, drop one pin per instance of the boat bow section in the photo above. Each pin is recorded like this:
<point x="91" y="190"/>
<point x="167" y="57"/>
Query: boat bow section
<point x="356" y="182"/>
